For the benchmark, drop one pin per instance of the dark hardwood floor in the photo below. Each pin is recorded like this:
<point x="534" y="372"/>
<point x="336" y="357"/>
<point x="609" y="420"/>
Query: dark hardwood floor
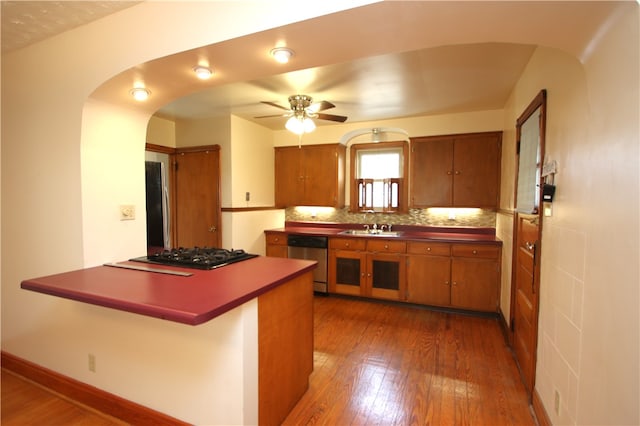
<point x="375" y="364"/>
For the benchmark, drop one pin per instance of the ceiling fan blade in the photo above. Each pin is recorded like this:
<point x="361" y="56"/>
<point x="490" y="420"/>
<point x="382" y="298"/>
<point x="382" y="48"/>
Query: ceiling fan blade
<point x="275" y="105"/>
<point x="320" y="106"/>
<point x="273" y="115"/>
<point x="331" y="117"/>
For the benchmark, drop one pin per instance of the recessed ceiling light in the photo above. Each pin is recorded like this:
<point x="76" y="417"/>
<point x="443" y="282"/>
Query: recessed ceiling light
<point x="202" y="72"/>
<point x="140" y="93"/>
<point x="282" y="54"/>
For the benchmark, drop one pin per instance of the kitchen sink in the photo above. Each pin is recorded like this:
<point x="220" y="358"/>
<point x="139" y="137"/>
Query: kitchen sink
<point x="371" y="232"/>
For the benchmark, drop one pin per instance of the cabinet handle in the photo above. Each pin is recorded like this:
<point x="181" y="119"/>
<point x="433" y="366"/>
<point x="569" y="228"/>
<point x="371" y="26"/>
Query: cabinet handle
<point x="428" y="248"/>
<point x="455" y="283"/>
<point x="475" y="252"/>
<point x="446" y="283"/>
<point x="369" y="275"/>
<point x="346" y="244"/>
<point x="457" y="172"/>
<point x="449" y="172"/>
<point x="386" y="246"/>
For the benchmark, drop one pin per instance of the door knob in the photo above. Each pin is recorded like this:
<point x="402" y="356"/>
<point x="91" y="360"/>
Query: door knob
<point x="213" y="228"/>
<point x="530" y="246"/>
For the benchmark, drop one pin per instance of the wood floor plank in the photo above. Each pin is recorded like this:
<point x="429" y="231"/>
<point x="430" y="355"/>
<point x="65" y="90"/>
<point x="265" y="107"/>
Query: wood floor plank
<point x="388" y="364"/>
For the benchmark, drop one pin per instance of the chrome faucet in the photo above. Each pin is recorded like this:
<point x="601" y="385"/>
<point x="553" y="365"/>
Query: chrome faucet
<point x="366" y="226"/>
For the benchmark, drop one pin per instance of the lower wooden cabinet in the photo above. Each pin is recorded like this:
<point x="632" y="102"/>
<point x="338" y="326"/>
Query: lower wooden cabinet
<point x="373" y="268"/>
<point x="463" y="276"/>
<point x="276" y="244"/>
<point x="429" y="273"/>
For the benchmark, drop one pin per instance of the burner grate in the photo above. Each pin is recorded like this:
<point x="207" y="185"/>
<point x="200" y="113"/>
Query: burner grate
<point x="196" y="257"/>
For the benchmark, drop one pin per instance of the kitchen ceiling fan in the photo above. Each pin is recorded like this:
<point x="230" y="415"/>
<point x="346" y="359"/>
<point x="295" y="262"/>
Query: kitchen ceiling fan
<point x="302" y="111"/>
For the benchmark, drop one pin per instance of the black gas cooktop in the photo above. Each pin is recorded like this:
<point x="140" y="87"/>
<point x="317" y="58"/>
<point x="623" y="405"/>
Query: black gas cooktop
<point x="196" y="257"/>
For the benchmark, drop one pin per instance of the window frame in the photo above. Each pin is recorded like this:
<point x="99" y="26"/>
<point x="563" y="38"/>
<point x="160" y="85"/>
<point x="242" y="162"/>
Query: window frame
<point x="401" y="182"/>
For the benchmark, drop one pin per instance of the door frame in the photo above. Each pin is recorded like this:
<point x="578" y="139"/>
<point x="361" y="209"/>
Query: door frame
<point x="540" y="101"/>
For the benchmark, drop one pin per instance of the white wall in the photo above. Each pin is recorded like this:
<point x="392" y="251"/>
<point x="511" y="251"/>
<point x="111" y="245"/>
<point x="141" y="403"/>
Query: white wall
<point x="589" y="327"/>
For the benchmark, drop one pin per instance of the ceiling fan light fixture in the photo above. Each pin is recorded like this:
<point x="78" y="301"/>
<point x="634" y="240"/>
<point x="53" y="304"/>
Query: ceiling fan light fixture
<point x="140" y="93"/>
<point x="202" y="72"/>
<point x="300" y="124"/>
<point x="281" y="54"/>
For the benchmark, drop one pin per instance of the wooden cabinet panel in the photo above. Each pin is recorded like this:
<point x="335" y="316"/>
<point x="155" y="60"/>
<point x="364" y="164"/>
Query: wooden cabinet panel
<point x="433" y="249"/>
<point x="476" y="251"/>
<point x="474" y="284"/>
<point x="464" y="276"/>
<point x="288" y="177"/>
<point x="385" y="276"/>
<point x="386" y="246"/>
<point x="367" y="267"/>
<point x="346" y="272"/>
<point x="310" y="176"/>
<point x="276" y="244"/>
<point x="428" y="280"/>
<point x="456" y="171"/>
<point x="476" y="175"/>
<point x="348" y="243"/>
<point x="431" y="169"/>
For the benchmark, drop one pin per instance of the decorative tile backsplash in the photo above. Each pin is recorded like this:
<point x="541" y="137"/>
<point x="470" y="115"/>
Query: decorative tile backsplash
<point x="480" y="218"/>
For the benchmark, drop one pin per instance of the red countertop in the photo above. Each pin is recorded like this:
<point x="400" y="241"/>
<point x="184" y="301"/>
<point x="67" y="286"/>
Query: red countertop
<point x="409" y="232"/>
<point x="190" y="300"/>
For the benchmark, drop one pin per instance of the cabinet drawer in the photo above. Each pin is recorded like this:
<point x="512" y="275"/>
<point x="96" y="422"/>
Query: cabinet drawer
<point x="347" y="243"/>
<point x="434" y="249"/>
<point x="277" y="239"/>
<point x="386" y="246"/>
<point x="476" y="250"/>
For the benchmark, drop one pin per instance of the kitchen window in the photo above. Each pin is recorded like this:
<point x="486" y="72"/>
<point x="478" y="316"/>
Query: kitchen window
<point x="379" y="172"/>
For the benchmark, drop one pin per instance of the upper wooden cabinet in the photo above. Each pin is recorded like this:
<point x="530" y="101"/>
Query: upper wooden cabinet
<point x="456" y="170"/>
<point x="311" y="175"/>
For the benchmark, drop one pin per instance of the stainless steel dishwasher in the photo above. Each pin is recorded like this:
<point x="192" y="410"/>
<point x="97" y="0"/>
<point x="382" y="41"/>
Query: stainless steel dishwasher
<point x="311" y="247"/>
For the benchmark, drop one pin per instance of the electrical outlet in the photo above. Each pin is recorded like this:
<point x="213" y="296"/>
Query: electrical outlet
<point x="247" y="196"/>
<point x="92" y="363"/>
<point x="556" y="402"/>
<point x="127" y="212"/>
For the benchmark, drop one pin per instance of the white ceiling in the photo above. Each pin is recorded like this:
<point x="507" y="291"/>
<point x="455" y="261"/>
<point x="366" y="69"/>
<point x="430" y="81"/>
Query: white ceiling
<point x="386" y="60"/>
<point x="27" y="22"/>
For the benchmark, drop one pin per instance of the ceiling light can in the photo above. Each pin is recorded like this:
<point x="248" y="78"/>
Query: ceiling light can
<point x="202" y="72"/>
<point x="282" y="54"/>
<point x="140" y="93"/>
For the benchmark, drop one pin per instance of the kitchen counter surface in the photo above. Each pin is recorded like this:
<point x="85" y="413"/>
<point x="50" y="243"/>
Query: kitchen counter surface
<point x="192" y="299"/>
<point x="409" y="232"/>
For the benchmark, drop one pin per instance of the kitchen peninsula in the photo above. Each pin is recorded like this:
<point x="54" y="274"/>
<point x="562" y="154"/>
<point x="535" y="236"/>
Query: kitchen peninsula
<point x="281" y="334"/>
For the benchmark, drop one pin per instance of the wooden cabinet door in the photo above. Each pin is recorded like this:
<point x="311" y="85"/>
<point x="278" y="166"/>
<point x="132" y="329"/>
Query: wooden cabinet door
<point x="276" y="244"/>
<point x="289" y="183"/>
<point x="347" y="272"/>
<point x="476" y="170"/>
<point x="474" y="284"/>
<point x="309" y="176"/>
<point x="428" y="280"/>
<point x="431" y="171"/>
<point x="385" y="276"/>
<point x="319" y="166"/>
